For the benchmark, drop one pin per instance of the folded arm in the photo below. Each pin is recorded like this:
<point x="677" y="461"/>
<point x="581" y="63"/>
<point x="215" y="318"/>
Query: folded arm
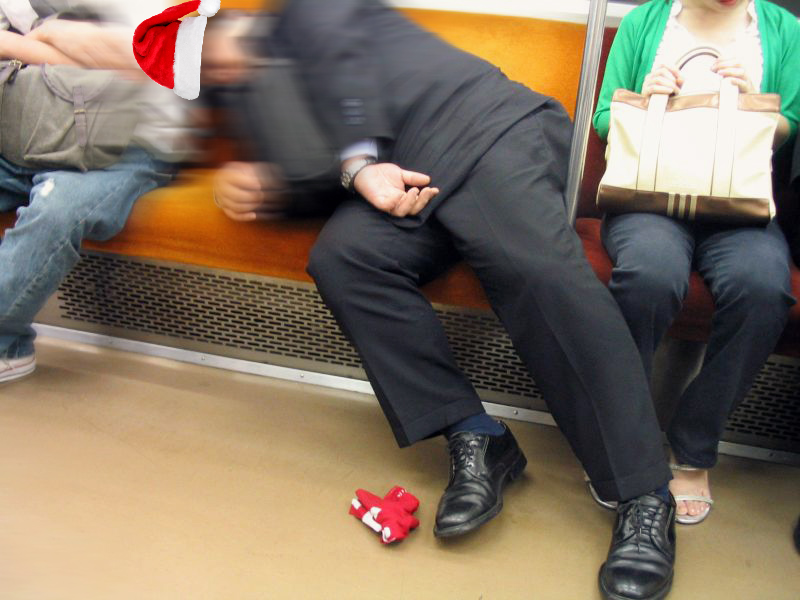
<point x="30" y="51"/>
<point x="87" y="44"/>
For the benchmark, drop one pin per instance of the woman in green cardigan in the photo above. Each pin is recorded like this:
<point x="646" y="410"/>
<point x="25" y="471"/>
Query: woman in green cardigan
<point x="746" y="268"/>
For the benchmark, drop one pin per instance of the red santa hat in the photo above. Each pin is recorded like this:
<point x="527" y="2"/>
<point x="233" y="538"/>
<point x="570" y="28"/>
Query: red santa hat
<point x="169" y="50"/>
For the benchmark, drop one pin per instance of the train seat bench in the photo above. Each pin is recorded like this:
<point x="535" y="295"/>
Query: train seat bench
<point x="180" y="224"/>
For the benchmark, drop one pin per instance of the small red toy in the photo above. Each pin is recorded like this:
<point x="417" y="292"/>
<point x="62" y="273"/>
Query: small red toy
<point x="390" y="516"/>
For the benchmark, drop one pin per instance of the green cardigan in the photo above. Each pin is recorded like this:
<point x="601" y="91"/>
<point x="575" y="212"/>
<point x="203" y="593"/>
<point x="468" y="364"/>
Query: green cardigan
<point x="639" y="35"/>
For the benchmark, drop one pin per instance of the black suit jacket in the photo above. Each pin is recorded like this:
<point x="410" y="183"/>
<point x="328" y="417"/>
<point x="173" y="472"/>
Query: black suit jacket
<point x="372" y="73"/>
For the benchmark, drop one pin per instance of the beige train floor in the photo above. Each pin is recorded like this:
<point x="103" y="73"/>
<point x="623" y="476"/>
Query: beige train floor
<point x="124" y="476"/>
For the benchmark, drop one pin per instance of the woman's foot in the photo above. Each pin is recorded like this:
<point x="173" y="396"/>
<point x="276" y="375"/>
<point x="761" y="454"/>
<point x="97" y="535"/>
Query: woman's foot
<point x="692" y="493"/>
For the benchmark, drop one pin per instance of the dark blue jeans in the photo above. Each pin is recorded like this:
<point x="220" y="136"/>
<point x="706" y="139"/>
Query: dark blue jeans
<point x="747" y="271"/>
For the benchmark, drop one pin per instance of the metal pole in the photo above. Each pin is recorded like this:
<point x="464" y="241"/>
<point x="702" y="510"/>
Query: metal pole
<point x="592" y="50"/>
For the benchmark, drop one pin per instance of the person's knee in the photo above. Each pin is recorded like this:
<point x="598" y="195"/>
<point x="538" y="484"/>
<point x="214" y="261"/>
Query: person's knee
<point x="322" y="260"/>
<point x="58" y="219"/>
<point x="761" y="294"/>
<point x="104" y="225"/>
<point x="69" y="205"/>
<point x="335" y="262"/>
<point x="651" y="282"/>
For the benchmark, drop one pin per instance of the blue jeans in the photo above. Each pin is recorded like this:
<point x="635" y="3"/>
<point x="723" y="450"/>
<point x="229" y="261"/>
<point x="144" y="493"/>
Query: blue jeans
<point x="747" y="271"/>
<point x="55" y="211"/>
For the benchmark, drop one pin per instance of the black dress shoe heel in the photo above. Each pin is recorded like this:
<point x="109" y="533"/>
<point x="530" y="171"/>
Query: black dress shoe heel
<point x="517" y="468"/>
<point x="480" y="467"/>
<point x="641" y="558"/>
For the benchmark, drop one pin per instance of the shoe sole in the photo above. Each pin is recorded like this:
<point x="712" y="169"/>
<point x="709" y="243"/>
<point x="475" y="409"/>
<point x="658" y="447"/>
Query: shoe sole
<point x="660" y="595"/>
<point x="513" y="473"/>
<point x="19" y="373"/>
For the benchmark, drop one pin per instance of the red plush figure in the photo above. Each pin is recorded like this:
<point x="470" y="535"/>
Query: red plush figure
<point x="391" y="516"/>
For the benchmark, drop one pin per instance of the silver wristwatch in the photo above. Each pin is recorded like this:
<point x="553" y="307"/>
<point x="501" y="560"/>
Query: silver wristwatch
<point x="349" y="174"/>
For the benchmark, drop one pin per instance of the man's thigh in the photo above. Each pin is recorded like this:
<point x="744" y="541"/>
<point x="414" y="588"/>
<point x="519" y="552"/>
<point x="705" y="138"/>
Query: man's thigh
<point x="509" y="214"/>
<point x="98" y="202"/>
<point x="360" y="236"/>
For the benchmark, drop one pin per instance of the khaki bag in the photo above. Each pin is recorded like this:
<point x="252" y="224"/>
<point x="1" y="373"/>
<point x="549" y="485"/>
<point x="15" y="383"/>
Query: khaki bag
<point x="704" y="157"/>
<point x="64" y="116"/>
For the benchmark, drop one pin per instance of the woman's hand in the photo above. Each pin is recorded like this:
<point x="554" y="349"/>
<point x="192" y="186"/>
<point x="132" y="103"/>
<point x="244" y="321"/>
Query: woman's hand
<point x="732" y="69"/>
<point x="662" y="80"/>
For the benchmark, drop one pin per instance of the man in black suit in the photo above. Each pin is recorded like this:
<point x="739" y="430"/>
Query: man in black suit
<point x="409" y="112"/>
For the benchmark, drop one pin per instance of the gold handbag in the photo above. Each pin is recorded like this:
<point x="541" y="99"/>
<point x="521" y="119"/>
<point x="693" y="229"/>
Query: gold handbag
<point x="703" y="157"/>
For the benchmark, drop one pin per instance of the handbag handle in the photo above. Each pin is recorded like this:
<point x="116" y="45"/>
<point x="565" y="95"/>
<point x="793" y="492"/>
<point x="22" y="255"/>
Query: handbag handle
<point x="725" y="131"/>
<point x="651" y="141"/>
<point x="697" y="52"/>
<point x="726" y="124"/>
<point x="726" y="139"/>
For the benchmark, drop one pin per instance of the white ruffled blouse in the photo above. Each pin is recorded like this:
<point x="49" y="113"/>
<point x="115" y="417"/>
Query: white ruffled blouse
<point x="677" y="41"/>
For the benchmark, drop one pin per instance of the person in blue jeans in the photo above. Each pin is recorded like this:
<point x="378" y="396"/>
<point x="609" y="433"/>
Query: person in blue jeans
<point x="746" y="268"/>
<point x="57" y="209"/>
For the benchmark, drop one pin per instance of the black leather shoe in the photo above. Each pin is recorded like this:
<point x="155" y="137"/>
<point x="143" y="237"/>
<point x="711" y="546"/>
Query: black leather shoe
<point x="642" y="554"/>
<point x="480" y="466"/>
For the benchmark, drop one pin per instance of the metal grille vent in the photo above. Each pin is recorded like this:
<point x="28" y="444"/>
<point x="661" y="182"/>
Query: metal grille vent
<point x="285" y="323"/>
<point x="207" y="307"/>
<point x="275" y="319"/>
<point x="484" y="351"/>
<point x="772" y="408"/>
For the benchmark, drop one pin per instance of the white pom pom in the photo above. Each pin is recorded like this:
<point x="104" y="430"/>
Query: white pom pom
<point x="208" y="8"/>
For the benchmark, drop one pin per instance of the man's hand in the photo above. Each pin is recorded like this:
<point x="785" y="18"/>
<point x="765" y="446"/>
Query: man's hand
<point x="250" y="191"/>
<point x="384" y="186"/>
<point x="86" y="44"/>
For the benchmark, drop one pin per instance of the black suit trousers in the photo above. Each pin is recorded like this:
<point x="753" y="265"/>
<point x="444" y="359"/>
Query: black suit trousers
<point x="507" y="221"/>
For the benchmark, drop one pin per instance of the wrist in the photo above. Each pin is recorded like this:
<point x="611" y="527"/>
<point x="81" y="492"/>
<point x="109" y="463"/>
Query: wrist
<point x="351" y="168"/>
<point x="40" y="33"/>
<point x="348" y="163"/>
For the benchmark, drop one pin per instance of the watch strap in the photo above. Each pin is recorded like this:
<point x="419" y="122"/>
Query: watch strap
<point x="349" y="175"/>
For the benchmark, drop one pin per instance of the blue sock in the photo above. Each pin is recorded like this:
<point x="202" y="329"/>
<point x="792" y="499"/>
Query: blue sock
<point x="662" y="492"/>
<point x="481" y="424"/>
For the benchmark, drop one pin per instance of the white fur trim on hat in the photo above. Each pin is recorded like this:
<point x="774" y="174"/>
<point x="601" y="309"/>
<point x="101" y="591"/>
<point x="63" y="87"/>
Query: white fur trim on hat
<point x="188" y="52"/>
<point x="208" y="8"/>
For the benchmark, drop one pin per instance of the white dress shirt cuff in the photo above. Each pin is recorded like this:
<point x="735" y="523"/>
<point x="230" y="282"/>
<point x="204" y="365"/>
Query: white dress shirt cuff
<point x="367" y="147"/>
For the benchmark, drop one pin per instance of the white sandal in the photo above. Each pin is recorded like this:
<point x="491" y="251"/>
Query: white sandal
<point x="608" y="504"/>
<point x="691" y="519"/>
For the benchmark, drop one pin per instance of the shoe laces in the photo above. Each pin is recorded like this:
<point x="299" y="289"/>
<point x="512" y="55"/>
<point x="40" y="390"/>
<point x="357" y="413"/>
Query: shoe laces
<point x="642" y="518"/>
<point x="461" y="452"/>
